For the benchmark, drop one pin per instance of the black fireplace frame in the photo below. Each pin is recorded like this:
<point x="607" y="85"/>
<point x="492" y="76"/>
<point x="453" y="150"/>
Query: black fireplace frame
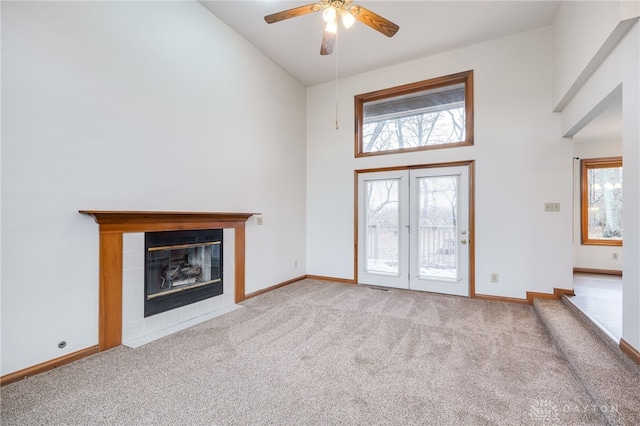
<point x="163" y="303"/>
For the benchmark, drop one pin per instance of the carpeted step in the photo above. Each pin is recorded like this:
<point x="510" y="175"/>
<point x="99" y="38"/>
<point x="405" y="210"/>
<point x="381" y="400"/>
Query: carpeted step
<point x="613" y="383"/>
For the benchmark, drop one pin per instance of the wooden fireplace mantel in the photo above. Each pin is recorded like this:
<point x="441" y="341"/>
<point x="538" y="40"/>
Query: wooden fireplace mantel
<point x="115" y="223"/>
<point x="147" y="221"/>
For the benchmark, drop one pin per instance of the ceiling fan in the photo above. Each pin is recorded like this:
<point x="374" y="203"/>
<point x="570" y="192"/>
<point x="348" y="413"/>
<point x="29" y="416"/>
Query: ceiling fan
<point x="348" y="13"/>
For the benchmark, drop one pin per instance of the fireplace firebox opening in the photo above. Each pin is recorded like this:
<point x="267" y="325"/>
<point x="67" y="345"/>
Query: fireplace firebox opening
<point x="182" y="267"/>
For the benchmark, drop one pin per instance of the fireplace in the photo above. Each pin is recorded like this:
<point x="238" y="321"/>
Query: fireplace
<point x="121" y="251"/>
<point x="181" y="268"/>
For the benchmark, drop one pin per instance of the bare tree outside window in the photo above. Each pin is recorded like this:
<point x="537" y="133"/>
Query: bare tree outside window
<point x="601" y="205"/>
<point x="437" y="226"/>
<point x="424" y="129"/>
<point x="382" y="224"/>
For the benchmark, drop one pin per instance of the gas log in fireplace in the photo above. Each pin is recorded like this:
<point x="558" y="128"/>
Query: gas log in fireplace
<point x="182" y="267"/>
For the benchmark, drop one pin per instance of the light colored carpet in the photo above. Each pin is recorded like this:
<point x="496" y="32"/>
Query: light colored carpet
<point x="323" y="353"/>
<point x="613" y="382"/>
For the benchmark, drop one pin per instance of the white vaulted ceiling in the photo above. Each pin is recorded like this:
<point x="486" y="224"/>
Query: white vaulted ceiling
<point x="426" y="28"/>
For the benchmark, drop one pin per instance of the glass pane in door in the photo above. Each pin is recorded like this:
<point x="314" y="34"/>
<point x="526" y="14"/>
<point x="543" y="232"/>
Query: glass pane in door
<point x="437" y="222"/>
<point x="382" y="226"/>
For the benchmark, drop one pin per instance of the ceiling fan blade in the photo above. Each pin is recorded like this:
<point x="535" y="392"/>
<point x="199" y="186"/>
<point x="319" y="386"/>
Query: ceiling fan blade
<point x="292" y="13"/>
<point x="328" y="40"/>
<point x="374" y="20"/>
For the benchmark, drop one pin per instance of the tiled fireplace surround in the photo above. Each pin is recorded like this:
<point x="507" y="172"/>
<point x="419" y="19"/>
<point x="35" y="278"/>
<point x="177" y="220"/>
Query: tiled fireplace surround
<point x="136" y="329"/>
<point x="121" y="317"/>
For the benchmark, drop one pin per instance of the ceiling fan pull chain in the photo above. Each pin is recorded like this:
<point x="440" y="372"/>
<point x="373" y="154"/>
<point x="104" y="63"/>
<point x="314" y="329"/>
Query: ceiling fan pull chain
<point x="337" y="51"/>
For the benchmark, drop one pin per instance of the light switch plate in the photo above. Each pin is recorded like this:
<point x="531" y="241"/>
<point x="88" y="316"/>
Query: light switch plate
<point x="551" y="207"/>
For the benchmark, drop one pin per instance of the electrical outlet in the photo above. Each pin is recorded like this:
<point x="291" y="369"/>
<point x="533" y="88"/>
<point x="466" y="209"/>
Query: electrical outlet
<point x="259" y="220"/>
<point x="614" y="256"/>
<point x="494" y="278"/>
<point x="551" y="207"/>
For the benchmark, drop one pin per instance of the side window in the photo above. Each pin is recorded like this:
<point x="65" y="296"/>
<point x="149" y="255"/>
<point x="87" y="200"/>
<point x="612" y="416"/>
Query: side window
<point x="436" y="113"/>
<point x="601" y="201"/>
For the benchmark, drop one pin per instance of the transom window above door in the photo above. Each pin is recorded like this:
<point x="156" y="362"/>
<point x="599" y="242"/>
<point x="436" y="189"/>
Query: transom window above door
<point x="430" y="114"/>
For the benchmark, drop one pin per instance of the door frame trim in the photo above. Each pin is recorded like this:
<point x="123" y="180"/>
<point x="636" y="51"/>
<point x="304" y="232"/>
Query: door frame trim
<point x="472" y="241"/>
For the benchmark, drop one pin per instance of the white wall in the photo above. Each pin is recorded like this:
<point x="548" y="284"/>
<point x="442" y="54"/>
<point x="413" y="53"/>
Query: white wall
<point x="620" y="67"/>
<point x="521" y="163"/>
<point x="584" y="33"/>
<point x="631" y="157"/>
<point x="133" y="106"/>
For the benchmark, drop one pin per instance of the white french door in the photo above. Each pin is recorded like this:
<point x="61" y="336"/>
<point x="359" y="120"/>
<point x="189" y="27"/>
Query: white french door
<point x="413" y="229"/>
<point x="383" y="222"/>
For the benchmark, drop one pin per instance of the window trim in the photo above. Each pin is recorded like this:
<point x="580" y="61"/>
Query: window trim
<point x="585" y="165"/>
<point x="465" y="77"/>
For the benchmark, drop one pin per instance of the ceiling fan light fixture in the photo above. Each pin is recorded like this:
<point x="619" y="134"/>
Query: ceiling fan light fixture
<point x="347" y="19"/>
<point x="329" y="14"/>
<point x="332" y="27"/>
<point x="349" y="13"/>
